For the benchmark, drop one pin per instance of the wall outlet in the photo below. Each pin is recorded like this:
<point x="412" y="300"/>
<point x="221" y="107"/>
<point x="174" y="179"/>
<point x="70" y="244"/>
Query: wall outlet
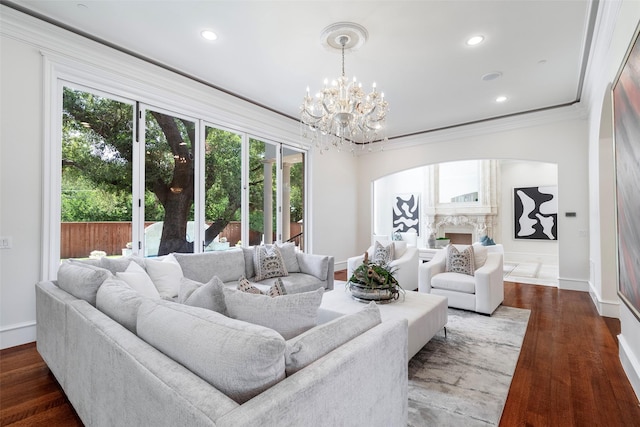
<point x="6" y="242"/>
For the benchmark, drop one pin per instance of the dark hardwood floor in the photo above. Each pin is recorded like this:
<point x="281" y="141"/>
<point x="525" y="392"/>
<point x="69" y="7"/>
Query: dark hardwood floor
<point x="568" y="373"/>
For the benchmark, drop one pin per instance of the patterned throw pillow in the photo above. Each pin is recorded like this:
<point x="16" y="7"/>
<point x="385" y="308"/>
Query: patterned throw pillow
<point x="277" y="289"/>
<point x="245" y="285"/>
<point x="460" y="262"/>
<point x="268" y="263"/>
<point x="382" y="255"/>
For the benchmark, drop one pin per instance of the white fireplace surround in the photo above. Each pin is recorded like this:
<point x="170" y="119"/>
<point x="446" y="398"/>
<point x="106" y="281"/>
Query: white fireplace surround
<point x="476" y="225"/>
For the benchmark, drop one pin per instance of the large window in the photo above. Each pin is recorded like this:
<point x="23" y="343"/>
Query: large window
<point x="137" y="178"/>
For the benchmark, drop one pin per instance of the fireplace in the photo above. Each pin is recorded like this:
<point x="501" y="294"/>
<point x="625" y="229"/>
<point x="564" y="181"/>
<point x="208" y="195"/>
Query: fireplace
<point x="460" y="238"/>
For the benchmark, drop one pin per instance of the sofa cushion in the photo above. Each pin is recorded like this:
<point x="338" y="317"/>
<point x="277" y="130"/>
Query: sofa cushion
<point x="268" y="262"/>
<point x="294" y="283"/>
<point x="208" y="295"/>
<point x="166" y="275"/>
<point x="456" y="282"/>
<point x="315" y="343"/>
<point x="119" y="301"/>
<point x="139" y="280"/>
<point x="239" y="359"/>
<point x="315" y="265"/>
<point x="82" y="280"/>
<point x="460" y="261"/>
<point x="248" y="262"/>
<point x="289" y="315"/>
<point x="227" y="265"/>
<point x="288" y="251"/>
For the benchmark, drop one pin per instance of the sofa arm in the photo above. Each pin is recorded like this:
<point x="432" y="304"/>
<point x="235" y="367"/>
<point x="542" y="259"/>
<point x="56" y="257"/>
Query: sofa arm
<point x="427" y="270"/>
<point x="320" y="266"/>
<point x="329" y="392"/>
<point x="353" y="263"/>
<point x="490" y="284"/>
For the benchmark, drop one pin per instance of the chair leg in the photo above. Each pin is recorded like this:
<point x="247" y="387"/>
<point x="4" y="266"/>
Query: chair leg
<point x="445" y="332"/>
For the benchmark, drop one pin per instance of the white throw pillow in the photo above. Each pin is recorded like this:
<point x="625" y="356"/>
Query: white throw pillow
<point x="139" y="280"/>
<point x="480" y="254"/>
<point x="166" y="275"/>
<point x="289" y="315"/>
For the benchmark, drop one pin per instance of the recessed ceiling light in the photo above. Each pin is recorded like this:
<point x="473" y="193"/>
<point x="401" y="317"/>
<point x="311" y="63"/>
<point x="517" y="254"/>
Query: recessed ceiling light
<point x="501" y="99"/>
<point x="209" y="35"/>
<point x="475" y="40"/>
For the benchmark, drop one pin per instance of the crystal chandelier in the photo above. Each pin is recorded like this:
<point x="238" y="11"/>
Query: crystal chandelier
<point x="341" y="114"/>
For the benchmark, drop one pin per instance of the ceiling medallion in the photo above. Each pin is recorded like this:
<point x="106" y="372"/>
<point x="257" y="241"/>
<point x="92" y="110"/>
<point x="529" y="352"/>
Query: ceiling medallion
<point x="341" y="115"/>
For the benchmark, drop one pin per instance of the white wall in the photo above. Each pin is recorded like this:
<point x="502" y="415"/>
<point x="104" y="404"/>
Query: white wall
<point x="615" y="30"/>
<point x="558" y="137"/>
<point x="21" y="188"/>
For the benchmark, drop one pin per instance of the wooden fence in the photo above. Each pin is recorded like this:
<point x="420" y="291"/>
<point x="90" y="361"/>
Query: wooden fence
<point x="78" y="239"/>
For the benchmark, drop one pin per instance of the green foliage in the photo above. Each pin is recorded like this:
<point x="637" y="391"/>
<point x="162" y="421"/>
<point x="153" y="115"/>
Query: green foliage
<point x="97" y="171"/>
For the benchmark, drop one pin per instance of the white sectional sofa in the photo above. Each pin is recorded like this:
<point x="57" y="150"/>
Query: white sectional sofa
<point x="124" y="359"/>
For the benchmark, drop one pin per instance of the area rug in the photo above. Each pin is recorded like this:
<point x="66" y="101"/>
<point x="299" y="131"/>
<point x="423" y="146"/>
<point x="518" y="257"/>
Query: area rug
<point x="464" y="379"/>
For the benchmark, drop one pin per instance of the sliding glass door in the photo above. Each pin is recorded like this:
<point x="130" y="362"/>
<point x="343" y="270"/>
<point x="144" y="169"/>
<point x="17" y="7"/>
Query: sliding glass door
<point x="140" y="179"/>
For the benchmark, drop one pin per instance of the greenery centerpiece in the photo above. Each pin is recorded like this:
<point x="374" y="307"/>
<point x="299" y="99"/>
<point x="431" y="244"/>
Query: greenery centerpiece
<point x="374" y="282"/>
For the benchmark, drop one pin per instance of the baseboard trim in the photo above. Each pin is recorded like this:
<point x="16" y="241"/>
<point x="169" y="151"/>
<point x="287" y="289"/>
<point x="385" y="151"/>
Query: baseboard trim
<point x="17" y="334"/>
<point x="606" y="308"/>
<point x="573" y="284"/>
<point x="630" y="364"/>
<point x="337" y="266"/>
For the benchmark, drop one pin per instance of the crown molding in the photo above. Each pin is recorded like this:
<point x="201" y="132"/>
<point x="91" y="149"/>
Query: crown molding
<point x="575" y="111"/>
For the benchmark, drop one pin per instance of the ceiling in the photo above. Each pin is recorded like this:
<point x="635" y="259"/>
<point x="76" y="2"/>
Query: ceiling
<point x="269" y="52"/>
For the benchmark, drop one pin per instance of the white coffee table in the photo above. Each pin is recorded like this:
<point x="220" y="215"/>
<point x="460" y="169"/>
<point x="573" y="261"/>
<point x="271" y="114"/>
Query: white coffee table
<point x="426" y="313"/>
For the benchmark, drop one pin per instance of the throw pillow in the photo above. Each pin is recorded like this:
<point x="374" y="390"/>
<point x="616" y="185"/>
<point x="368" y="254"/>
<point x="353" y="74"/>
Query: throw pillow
<point x="139" y="280"/>
<point x="268" y="263"/>
<point x="120" y="302"/>
<point x="165" y="275"/>
<point x="289" y="315"/>
<point x="239" y="359"/>
<point x="244" y="285"/>
<point x="208" y="295"/>
<point x="382" y="255"/>
<point x="460" y="262"/>
<point x="277" y="289"/>
<point x="313" y="344"/>
<point x="288" y="251"/>
<point x="81" y="280"/>
<point x="479" y="255"/>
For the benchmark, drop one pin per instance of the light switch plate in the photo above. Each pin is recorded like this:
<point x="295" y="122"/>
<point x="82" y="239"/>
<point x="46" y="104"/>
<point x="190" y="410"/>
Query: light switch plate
<point x="6" y="242"/>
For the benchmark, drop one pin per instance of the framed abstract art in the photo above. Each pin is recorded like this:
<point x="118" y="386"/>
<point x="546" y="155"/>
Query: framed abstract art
<point x="626" y="124"/>
<point x="406" y="213"/>
<point x="536" y="212"/>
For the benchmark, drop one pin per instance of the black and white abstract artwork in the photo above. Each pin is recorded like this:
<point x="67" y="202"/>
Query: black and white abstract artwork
<point x="406" y="213"/>
<point x="536" y="212"/>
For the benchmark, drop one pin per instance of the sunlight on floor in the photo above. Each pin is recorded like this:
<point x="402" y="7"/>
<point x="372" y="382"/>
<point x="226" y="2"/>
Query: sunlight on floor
<point x="533" y="273"/>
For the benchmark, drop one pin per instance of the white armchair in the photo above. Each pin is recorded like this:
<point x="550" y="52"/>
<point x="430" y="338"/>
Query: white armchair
<point x="483" y="292"/>
<point x="405" y="263"/>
